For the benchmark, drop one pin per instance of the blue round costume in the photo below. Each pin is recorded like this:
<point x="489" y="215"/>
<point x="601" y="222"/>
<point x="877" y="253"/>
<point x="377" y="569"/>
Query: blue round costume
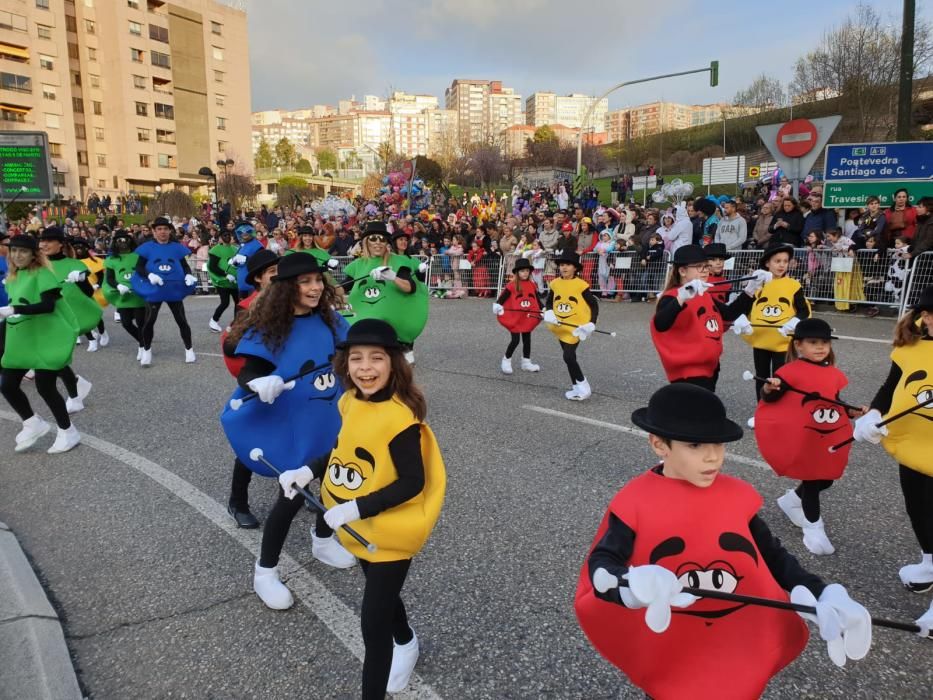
<point x="302" y="424"/>
<point x="165" y="260"/>
<point x="246" y="250"/>
<point x="4" y="299"/>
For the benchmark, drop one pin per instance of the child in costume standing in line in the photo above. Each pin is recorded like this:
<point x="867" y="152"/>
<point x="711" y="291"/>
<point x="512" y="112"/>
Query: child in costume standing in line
<point x="386" y="476"/>
<point x="716" y="255"/>
<point x="95" y="267"/>
<point x="683" y="523"/>
<point x="223" y="277"/>
<point x="794" y="431"/>
<point x="518" y="309"/>
<point x="118" y="271"/>
<point x="571" y="310"/>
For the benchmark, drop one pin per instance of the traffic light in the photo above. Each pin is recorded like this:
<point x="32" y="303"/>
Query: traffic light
<point x="713" y="73"/>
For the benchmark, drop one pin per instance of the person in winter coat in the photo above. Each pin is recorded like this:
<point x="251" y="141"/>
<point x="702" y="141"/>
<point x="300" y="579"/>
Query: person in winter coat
<point x="923" y="235"/>
<point x="819" y="219"/>
<point x="761" y="233"/>
<point x="900" y="218"/>
<point x="787" y="224"/>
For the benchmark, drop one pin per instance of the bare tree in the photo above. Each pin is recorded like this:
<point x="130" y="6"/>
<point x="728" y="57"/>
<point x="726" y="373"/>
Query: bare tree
<point x="764" y="93"/>
<point x="485" y="164"/>
<point x="172" y="203"/>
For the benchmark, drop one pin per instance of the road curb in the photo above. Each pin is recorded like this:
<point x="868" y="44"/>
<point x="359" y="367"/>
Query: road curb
<point x="34" y="660"/>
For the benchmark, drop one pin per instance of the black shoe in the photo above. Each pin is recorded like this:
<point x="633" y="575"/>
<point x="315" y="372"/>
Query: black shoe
<point x="243" y="517"/>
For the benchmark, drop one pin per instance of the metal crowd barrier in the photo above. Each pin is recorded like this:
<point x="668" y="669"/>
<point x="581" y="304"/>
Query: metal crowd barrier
<point x="919" y="278"/>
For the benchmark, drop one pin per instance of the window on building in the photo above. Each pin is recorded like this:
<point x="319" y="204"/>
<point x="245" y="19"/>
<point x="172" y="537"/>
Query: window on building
<point x="89" y="26"/>
<point x="166" y="160"/>
<point x="101" y="183"/>
<point x="94" y="80"/>
<point x="98" y="133"/>
<point x="221" y="146"/>
<point x="71" y="24"/>
<point x="144" y="160"/>
<point x="161" y="59"/>
<point x="218" y="76"/>
<point x="77" y="104"/>
<point x="58" y="179"/>
<point x="55" y="150"/>
<point x="137" y="55"/>
<point x="79" y="131"/>
<point x="136" y="29"/>
<point x="164" y="111"/>
<point x="102" y="159"/>
<point x="43" y="31"/>
<point x="134" y="4"/>
<point x="75" y="78"/>
<point x="52" y="121"/>
<point x="163" y="136"/>
<point x="16" y="83"/>
<point x="222" y="123"/>
<point x="216" y="28"/>
<point x="8" y="114"/>
<point x="98" y="107"/>
<point x="73" y="52"/>
<point x="46" y="62"/>
<point x="91" y="54"/>
<point x="142" y="109"/>
<point x="11" y="20"/>
<point x="219" y="100"/>
<point x="158" y="33"/>
<point x="142" y="134"/>
<point x="217" y="52"/>
<point x="48" y="92"/>
<point x="42" y="4"/>
<point x="139" y="81"/>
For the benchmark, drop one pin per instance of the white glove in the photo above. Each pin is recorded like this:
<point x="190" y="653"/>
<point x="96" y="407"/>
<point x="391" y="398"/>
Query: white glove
<point x="238" y="260"/>
<point x="300" y="477"/>
<point x="788" y="328"/>
<point x="342" y="514"/>
<point x="497" y="309"/>
<point x="75" y="276"/>
<point x="155" y="279"/>
<point x="231" y="278"/>
<point x="762" y="277"/>
<point x="866" y="427"/>
<point x="6" y="311"/>
<point x="333" y="264"/>
<point x="423" y="267"/>
<point x="551" y="318"/>
<point x="123" y="289"/>
<point x="925" y="622"/>
<point x="742" y="326"/>
<point x="844" y="625"/>
<point x="269" y="387"/>
<point x="585" y="331"/>
<point x="692" y="289"/>
<point x="384" y="273"/>
<point x="191" y="280"/>
<point x="656" y="588"/>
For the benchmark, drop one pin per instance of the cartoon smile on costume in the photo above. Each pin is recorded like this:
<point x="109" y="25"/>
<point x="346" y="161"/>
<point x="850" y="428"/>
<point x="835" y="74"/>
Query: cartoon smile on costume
<point x="910" y="439"/>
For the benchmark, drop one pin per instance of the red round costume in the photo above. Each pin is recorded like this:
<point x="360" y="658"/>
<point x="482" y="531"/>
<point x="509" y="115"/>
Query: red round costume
<point x="712" y="649"/>
<point x="693" y="345"/>
<point x="721" y="291"/>
<point x="522" y="300"/>
<point x="795" y="432"/>
<point x="234" y="363"/>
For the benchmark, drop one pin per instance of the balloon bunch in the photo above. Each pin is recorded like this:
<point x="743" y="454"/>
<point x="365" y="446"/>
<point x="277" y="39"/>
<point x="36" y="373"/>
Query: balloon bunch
<point x="395" y="192"/>
<point x="333" y="207"/>
<point x="674" y="191"/>
<point x="521" y="207"/>
<point x="371" y="210"/>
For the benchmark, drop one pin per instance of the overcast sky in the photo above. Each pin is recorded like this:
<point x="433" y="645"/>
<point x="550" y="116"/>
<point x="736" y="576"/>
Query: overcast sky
<point x="305" y="52"/>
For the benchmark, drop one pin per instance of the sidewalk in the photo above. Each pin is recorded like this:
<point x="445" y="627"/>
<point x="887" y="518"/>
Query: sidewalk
<point x="34" y="661"/>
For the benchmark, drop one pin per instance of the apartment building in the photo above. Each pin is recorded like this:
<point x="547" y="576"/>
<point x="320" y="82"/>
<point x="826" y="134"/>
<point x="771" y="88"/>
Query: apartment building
<point x="547" y="108"/>
<point x="484" y="108"/>
<point x="133" y="94"/>
<point x="655" y="117"/>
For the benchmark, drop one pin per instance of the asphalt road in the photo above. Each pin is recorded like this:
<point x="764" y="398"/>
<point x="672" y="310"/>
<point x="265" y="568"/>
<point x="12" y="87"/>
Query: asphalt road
<point x="130" y="535"/>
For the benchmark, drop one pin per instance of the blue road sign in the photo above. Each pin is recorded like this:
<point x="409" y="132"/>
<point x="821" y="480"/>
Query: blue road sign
<point x="905" y="160"/>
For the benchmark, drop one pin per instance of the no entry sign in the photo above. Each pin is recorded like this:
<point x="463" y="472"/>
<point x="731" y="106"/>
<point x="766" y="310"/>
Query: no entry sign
<point x="796" y="138"/>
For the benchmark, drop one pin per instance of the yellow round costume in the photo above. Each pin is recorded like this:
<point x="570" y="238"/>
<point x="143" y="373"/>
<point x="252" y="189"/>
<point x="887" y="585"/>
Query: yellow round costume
<point x="360" y="464"/>
<point x="910" y="439"/>
<point x="95" y="267"/>
<point x="773" y="306"/>
<point x="570" y="307"/>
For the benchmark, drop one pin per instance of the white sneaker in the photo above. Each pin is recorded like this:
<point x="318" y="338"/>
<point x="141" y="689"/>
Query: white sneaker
<point x="116" y="316"/>
<point x="918" y="577"/>
<point x="815" y="539"/>
<point x="79" y="340"/>
<point x="33" y="429"/>
<point x="270" y="589"/>
<point x="190" y="356"/>
<point x="410" y="357"/>
<point x="74" y="404"/>
<point x="214" y="326"/>
<point x="104" y="339"/>
<point x="65" y="440"/>
<point x="573" y="395"/>
<point x="751" y="422"/>
<point x="84" y="387"/>
<point x="92" y="345"/>
<point x="31" y="374"/>
<point x="529" y="366"/>
<point x="506" y="365"/>
<point x="139" y="353"/>
<point x="583" y="390"/>
<point x="329" y="551"/>
<point x="146" y="359"/>
<point x="404" y="658"/>
<point x="792" y="507"/>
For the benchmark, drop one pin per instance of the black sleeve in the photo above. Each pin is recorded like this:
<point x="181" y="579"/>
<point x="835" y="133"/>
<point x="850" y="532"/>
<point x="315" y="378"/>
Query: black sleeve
<point x="506" y="293"/>
<point x="85" y="287"/>
<point x="612" y="553"/>
<point x="775" y="393"/>
<point x="882" y="400"/>
<point x="141" y="263"/>
<point x="405" y="274"/>
<point x="742" y="304"/>
<point x="593" y="303"/>
<point x="184" y="265"/>
<point x="781" y="563"/>
<point x="801" y="308"/>
<point x="254" y="367"/>
<point x="45" y="305"/>
<point x="549" y="301"/>
<point x="405" y="450"/>
<point x="110" y="277"/>
<point x="213" y="265"/>
<point x="666" y="312"/>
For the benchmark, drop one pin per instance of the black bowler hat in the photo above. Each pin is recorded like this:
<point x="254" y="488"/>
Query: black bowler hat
<point x="78" y="241"/>
<point x="162" y="221"/>
<point x="123" y="236"/>
<point x="814" y="328"/>
<point x="689" y="255"/>
<point x="259" y="261"/>
<point x="716" y="250"/>
<point x="772" y="250"/>
<point x="52" y="233"/>
<point x="687" y="413"/>
<point x="924" y="303"/>
<point x="568" y="256"/>
<point x="522" y="264"/>
<point x="23" y="241"/>
<point x="371" y="331"/>
<point x="292" y="266"/>
<point x="376" y="228"/>
<point x="306" y="230"/>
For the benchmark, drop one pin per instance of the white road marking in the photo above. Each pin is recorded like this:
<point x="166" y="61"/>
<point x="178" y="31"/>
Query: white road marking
<point x="208" y="354"/>
<point x="749" y="461"/>
<point x="328" y="608"/>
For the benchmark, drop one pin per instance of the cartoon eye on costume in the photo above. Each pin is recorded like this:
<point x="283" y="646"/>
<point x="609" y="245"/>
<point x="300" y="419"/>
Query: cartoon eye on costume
<point x="525" y="304"/>
<point x="712" y="325"/>
<point x="348" y="475"/>
<point x="325" y="381"/>
<point x="165" y="268"/>
<point x="924" y="395"/>
<point x="353" y="479"/>
<point x="711" y="579"/>
<point x="372" y="293"/>
<point x="826" y="415"/>
<point x="563" y="308"/>
<point x="127" y="276"/>
<point x="335" y="473"/>
<point x="772" y="311"/>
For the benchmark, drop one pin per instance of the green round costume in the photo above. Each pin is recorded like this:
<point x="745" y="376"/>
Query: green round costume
<point x="122" y="266"/>
<point x="223" y="252"/>
<point x="406" y="313"/>
<point x="87" y="312"/>
<point x="38" y="341"/>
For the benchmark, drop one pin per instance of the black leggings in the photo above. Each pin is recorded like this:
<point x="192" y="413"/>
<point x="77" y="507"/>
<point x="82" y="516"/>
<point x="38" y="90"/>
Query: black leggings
<point x="570" y="359"/>
<point x="133" y="319"/>
<point x="809" y="492"/>
<point x="226" y="296"/>
<point x="383" y="620"/>
<point x="277" y="525"/>
<point x="766" y="364"/>
<point x="10" y="381"/>
<point x="100" y="329"/>
<point x="70" y="380"/>
<point x="152" y="315"/>
<point x="513" y="344"/>
<point x="239" y="486"/>
<point x="918" y="498"/>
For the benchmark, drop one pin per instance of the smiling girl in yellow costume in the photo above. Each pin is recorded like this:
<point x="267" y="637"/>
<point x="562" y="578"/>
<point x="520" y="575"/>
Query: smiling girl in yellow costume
<point x="776" y="309"/>
<point x="386" y="475"/>
<point x="570" y="312"/>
